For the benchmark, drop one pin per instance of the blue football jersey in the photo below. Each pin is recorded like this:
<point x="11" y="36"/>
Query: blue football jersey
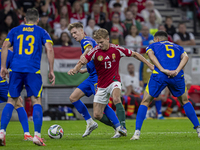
<point x="27" y="41"/>
<point x="8" y="62"/>
<point x="167" y="53"/>
<point x="84" y="43"/>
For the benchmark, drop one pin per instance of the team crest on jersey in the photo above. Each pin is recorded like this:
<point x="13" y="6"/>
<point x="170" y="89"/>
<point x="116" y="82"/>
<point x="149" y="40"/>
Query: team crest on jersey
<point x="113" y="57"/>
<point x="100" y="58"/>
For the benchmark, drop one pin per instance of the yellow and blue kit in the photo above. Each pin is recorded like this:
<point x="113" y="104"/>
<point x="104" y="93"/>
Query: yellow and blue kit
<point x="90" y="84"/>
<point x="27" y="41"/>
<point x="4" y="83"/>
<point x="169" y="56"/>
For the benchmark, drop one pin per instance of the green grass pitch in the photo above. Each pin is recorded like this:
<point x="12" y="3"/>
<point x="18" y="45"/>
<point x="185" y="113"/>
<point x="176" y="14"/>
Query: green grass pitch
<point x="166" y="134"/>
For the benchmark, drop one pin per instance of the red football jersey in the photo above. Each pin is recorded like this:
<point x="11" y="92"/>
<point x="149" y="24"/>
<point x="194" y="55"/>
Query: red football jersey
<point x="140" y="4"/>
<point x="107" y="63"/>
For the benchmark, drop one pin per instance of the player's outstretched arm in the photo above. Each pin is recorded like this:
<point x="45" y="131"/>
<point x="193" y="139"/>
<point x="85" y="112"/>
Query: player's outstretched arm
<point x="78" y="66"/>
<point x="141" y="58"/>
<point x="4" y="54"/>
<point x="87" y="49"/>
<point x="72" y="71"/>
<point x="184" y="60"/>
<point x="82" y="71"/>
<point x="50" y="56"/>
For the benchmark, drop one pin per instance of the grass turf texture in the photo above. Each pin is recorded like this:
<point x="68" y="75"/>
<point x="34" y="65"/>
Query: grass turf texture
<point x="166" y="134"/>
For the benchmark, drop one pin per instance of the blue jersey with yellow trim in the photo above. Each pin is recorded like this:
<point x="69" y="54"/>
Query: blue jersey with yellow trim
<point x="9" y="59"/>
<point x="84" y="43"/>
<point x="27" y="41"/>
<point x="167" y="53"/>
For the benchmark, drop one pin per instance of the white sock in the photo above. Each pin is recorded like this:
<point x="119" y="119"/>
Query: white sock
<point x="117" y="129"/>
<point x="159" y="115"/>
<point x="137" y="132"/>
<point x="89" y="121"/>
<point x="27" y="133"/>
<point x="38" y="134"/>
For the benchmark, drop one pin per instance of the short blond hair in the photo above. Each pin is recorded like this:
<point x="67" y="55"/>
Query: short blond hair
<point x="75" y="25"/>
<point x="101" y="33"/>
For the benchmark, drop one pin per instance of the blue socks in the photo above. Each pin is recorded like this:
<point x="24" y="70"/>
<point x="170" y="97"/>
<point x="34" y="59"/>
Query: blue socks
<point x="6" y="115"/>
<point x="23" y="118"/>
<point x="158" y="106"/>
<point x="82" y="109"/>
<point x="141" y="114"/>
<point x="109" y="112"/>
<point x="37" y="117"/>
<point x="189" y="111"/>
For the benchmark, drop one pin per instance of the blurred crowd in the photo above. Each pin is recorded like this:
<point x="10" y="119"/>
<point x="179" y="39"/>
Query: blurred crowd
<point x="129" y="22"/>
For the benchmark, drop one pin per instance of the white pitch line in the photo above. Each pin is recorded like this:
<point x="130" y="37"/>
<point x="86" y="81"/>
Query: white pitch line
<point x="127" y="133"/>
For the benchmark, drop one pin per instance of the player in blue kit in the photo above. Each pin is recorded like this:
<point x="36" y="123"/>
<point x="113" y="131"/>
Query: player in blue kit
<point x="27" y="41"/>
<point x="88" y="87"/>
<point x="19" y="107"/>
<point x="169" y="60"/>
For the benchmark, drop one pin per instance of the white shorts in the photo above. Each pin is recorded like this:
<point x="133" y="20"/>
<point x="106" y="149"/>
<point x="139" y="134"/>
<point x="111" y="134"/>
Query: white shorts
<point x="103" y="94"/>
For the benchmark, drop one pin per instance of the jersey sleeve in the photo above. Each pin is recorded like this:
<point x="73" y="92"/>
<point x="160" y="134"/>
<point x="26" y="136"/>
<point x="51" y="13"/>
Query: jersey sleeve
<point x="46" y="37"/>
<point x="182" y="50"/>
<point x="90" y="55"/>
<point x="10" y="36"/>
<point x="86" y="43"/>
<point x="124" y="51"/>
<point x="149" y="48"/>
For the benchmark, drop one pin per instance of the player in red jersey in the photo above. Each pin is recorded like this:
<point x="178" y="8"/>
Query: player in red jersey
<point x="106" y="58"/>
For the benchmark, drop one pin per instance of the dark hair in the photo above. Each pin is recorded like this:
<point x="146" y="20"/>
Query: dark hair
<point x="133" y="4"/>
<point x="116" y="13"/>
<point x="136" y="28"/>
<point x="117" y="5"/>
<point x="181" y="23"/>
<point x="168" y="17"/>
<point x="32" y="15"/>
<point x="3" y="32"/>
<point x="130" y="64"/>
<point x="161" y="34"/>
<point x="69" y="42"/>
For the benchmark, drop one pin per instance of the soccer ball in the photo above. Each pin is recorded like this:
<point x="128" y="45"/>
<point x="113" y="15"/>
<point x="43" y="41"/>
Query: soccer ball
<point x="55" y="132"/>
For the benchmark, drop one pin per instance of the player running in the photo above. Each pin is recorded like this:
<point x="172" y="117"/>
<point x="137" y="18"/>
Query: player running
<point x="19" y="107"/>
<point x="106" y="59"/>
<point x="88" y="87"/>
<point x="27" y="41"/>
<point x="169" y="60"/>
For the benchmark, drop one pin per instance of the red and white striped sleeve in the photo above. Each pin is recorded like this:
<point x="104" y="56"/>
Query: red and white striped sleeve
<point x="91" y="54"/>
<point x="124" y="51"/>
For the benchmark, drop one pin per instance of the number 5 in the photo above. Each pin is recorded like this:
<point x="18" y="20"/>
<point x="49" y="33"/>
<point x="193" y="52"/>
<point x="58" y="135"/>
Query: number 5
<point x="172" y="51"/>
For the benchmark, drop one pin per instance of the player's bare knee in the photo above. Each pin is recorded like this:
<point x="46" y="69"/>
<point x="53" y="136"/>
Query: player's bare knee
<point x="184" y="101"/>
<point x="116" y="100"/>
<point x="72" y="99"/>
<point x="12" y="101"/>
<point x="17" y="105"/>
<point x="145" y="102"/>
<point x="97" y="115"/>
<point x="36" y="100"/>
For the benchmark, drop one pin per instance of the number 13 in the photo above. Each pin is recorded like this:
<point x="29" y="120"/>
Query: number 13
<point x="21" y="38"/>
<point x="107" y="64"/>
